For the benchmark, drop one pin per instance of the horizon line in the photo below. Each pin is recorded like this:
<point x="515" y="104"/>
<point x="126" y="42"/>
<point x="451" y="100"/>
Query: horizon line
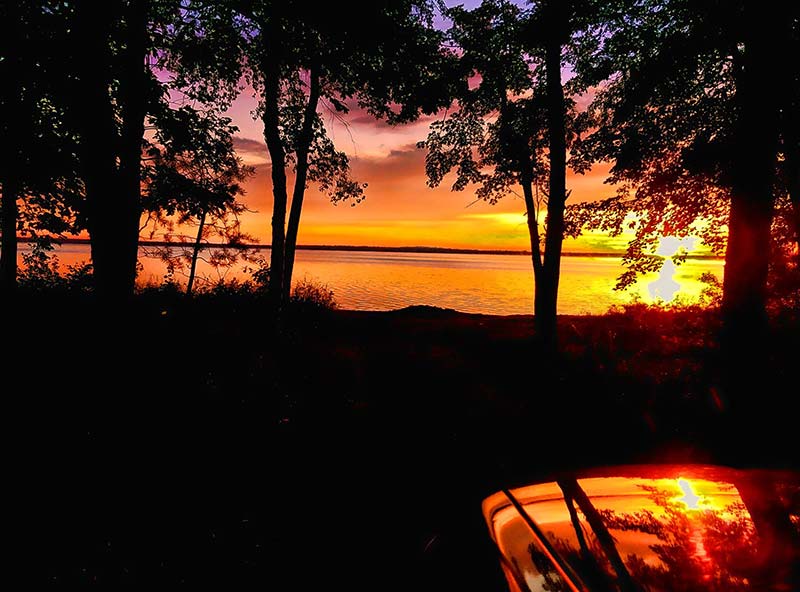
<point x="363" y="248"/>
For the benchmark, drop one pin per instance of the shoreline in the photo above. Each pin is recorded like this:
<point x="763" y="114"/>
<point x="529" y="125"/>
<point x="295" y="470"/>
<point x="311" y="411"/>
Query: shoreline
<point x="369" y="249"/>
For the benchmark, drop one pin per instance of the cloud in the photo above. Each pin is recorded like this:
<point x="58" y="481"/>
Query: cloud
<point x="362" y="118"/>
<point x="252" y="152"/>
<point x="401" y="209"/>
<point x="366" y="119"/>
<point x="403" y="164"/>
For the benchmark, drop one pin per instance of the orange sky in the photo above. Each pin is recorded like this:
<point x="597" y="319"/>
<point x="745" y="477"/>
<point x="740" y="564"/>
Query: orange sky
<point x="400" y="209"/>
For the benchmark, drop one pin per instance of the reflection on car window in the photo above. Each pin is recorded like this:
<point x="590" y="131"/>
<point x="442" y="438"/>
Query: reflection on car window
<point x="651" y="528"/>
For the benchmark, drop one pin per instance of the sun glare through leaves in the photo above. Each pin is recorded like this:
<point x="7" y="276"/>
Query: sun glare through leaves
<point x="665" y="288"/>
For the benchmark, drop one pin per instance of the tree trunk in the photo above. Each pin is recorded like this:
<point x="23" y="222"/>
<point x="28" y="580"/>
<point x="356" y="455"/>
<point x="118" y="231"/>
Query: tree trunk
<point x="11" y="142"/>
<point x="306" y="137"/>
<point x="533" y="230"/>
<point x="195" y="253"/>
<point x="8" y="250"/>
<point x="519" y="150"/>
<point x="98" y="136"/>
<point x="746" y="266"/>
<point x="126" y="206"/>
<point x="747" y="255"/>
<point x="546" y="303"/>
<point x="271" y="72"/>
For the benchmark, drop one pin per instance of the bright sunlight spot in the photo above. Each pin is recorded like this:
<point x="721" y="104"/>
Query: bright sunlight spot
<point x="665" y="288"/>
<point x="689" y="497"/>
<point x="669" y="245"/>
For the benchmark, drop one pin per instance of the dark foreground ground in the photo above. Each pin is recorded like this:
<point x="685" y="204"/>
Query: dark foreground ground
<point x="178" y="444"/>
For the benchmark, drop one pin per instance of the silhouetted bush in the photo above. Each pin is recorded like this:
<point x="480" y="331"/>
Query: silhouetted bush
<point x="41" y="272"/>
<point x="260" y="274"/>
<point x="308" y="295"/>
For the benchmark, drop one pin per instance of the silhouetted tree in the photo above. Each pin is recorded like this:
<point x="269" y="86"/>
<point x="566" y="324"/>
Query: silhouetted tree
<point x="693" y="118"/>
<point x="37" y="159"/>
<point x="12" y="115"/>
<point x="119" y="50"/>
<point x="515" y="125"/>
<point x="109" y="54"/>
<point x="193" y="178"/>
<point x="387" y="60"/>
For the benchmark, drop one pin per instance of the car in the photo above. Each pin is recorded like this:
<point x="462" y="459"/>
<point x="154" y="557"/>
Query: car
<point x="651" y="528"/>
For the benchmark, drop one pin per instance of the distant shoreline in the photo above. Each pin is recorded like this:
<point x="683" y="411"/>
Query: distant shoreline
<point x="368" y="249"/>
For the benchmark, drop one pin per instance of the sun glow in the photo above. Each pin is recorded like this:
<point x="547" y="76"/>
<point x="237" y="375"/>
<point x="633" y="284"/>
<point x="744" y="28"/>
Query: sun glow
<point x="689" y="497"/>
<point x="665" y="288"/>
<point x="670" y="245"/>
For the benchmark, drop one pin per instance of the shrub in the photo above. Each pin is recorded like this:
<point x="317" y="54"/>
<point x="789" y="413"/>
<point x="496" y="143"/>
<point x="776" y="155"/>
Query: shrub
<point x="260" y="274"/>
<point x="308" y="294"/>
<point x="41" y="271"/>
<point x="711" y="295"/>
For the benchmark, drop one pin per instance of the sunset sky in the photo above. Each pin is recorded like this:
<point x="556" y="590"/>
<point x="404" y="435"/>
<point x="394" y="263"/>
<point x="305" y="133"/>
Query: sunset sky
<point x="400" y="209"/>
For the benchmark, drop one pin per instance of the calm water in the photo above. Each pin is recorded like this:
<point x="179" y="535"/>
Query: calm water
<point x="494" y="284"/>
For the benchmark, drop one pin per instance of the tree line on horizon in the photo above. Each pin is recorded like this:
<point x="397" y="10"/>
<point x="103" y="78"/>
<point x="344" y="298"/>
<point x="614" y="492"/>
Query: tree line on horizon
<point x="113" y="121"/>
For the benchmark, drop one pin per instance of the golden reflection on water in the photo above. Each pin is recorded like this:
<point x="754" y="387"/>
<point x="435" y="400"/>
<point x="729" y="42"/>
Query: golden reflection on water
<point x="665" y="288"/>
<point x="492" y="284"/>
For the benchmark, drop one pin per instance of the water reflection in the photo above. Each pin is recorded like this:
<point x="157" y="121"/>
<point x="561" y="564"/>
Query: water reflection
<point x="665" y="288"/>
<point x="478" y="283"/>
<point x="651" y="528"/>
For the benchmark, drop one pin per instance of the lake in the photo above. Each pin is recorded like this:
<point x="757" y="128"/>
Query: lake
<point x="476" y="283"/>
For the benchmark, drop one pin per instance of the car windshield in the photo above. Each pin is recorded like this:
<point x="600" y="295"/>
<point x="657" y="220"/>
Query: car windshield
<point x="650" y="528"/>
